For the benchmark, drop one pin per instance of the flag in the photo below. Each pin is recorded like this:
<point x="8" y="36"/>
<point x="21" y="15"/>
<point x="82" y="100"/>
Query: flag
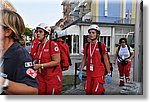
<point x="28" y="64"/>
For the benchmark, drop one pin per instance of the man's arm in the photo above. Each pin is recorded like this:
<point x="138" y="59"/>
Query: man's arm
<point x="83" y="63"/>
<point x="106" y="63"/>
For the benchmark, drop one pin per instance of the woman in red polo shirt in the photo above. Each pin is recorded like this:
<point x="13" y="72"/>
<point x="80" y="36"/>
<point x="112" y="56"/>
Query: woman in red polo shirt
<point x="48" y="63"/>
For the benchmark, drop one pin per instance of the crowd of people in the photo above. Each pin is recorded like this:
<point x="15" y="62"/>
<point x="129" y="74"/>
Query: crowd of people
<point x="40" y="71"/>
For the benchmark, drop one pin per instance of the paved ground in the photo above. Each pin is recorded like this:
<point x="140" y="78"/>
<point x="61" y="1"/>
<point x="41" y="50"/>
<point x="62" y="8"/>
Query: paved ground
<point x="110" y="89"/>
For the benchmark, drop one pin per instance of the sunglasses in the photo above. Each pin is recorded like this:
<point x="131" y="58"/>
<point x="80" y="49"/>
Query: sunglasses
<point x="123" y="42"/>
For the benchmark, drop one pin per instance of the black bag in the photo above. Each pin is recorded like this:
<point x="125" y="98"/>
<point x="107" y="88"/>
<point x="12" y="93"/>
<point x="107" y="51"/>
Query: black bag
<point x="123" y="61"/>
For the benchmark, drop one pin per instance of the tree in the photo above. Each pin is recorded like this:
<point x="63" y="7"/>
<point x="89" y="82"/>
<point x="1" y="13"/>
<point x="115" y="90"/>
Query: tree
<point x="28" y="32"/>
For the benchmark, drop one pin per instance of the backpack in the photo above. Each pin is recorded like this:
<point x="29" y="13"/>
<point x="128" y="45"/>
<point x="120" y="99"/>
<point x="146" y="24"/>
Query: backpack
<point x="102" y="59"/>
<point x="123" y="61"/>
<point x="65" y="61"/>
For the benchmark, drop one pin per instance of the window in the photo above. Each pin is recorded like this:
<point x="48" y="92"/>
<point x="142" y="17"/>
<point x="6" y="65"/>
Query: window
<point x="106" y="40"/>
<point x="75" y="44"/>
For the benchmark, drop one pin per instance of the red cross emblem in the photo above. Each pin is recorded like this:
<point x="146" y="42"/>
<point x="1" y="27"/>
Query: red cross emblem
<point x="31" y="72"/>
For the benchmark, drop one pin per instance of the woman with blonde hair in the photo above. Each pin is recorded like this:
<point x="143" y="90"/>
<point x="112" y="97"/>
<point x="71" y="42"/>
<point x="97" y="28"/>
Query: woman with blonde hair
<point x="17" y="75"/>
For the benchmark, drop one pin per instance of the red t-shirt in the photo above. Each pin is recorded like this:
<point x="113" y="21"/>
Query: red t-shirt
<point x="98" y="66"/>
<point x="34" y="47"/>
<point x="49" y="49"/>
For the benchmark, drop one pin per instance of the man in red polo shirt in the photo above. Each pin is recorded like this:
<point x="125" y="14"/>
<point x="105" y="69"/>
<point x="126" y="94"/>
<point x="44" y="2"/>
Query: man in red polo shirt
<point x="95" y="70"/>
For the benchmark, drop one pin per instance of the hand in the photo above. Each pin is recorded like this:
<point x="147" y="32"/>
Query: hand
<point x="37" y="67"/>
<point x="80" y="76"/>
<point x="108" y="79"/>
<point x="128" y="60"/>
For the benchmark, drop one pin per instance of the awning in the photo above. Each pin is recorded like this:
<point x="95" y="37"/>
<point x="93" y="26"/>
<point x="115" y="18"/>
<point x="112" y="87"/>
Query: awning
<point x="72" y="30"/>
<point x="75" y="30"/>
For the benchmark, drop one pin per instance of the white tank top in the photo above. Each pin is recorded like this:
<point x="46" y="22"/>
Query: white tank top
<point x="124" y="52"/>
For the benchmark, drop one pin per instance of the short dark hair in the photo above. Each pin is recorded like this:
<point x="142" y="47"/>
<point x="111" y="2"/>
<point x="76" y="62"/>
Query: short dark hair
<point x="123" y="39"/>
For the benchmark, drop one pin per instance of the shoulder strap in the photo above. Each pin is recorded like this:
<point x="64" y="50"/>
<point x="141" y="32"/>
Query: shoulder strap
<point x="87" y="49"/>
<point x="51" y="53"/>
<point x="102" y="58"/>
<point x="118" y="51"/>
<point x="100" y="50"/>
<point x="128" y="48"/>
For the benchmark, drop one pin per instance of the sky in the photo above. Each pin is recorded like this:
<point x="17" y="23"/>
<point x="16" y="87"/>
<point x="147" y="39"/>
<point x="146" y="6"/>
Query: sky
<point x="34" y="12"/>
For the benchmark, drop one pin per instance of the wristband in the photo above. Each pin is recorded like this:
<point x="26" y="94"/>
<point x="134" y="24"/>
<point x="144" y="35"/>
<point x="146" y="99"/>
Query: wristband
<point x="109" y="74"/>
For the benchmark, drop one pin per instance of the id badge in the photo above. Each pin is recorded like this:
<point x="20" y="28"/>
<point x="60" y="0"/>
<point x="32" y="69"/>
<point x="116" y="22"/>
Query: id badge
<point x="91" y="67"/>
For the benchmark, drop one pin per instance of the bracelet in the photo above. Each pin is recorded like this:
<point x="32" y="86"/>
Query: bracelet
<point x="42" y="66"/>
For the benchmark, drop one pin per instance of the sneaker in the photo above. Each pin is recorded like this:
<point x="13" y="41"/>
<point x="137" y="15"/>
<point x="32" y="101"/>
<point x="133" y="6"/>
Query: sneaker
<point x="121" y="83"/>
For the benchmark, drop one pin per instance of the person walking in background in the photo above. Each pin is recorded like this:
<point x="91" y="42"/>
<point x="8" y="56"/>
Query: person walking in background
<point x="17" y="75"/>
<point x="124" y="55"/>
<point x="35" y="43"/>
<point x="47" y="63"/>
<point x="95" y="70"/>
<point x="64" y="53"/>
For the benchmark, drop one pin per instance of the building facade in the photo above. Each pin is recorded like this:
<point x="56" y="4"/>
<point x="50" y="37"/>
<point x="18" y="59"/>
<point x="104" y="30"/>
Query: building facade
<point x="116" y="19"/>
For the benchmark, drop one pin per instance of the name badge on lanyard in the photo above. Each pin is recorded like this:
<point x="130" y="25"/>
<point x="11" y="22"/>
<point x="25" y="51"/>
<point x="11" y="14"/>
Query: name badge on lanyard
<point x="91" y="67"/>
<point x="91" y="54"/>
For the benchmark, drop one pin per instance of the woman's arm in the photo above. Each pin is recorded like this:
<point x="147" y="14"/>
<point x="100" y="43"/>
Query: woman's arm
<point x="19" y="88"/>
<point x="115" y="55"/>
<point x="55" y="61"/>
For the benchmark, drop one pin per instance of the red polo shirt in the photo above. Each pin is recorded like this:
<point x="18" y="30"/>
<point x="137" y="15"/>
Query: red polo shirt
<point x="48" y="50"/>
<point x="98" y="66"/>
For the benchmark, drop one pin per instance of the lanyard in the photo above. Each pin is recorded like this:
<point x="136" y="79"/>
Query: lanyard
<point x="92" y="52"/>
<point x="42" y="51"/>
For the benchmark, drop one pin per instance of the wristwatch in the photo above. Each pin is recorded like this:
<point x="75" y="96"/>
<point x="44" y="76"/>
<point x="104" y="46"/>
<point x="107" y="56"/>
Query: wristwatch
<point x="42" y="66"/>
<point x="6" y="81"/>
<point x="5" y="85"/>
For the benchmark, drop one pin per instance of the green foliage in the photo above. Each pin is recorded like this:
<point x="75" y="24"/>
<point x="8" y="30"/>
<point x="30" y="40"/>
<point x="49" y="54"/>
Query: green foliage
<point x="28" y="32"/>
